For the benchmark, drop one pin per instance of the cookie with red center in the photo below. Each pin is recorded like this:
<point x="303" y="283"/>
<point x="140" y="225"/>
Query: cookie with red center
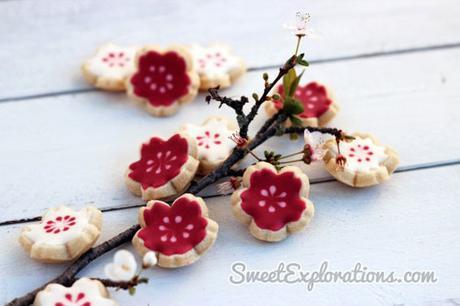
<point x="165" y="168"/>
<point x="163" y="80"/>
<point x="110" y="66"/>
<point x="84" y="292"/>
<point x="273" y="203"/>
<point x="178" y="234"/>
<point x="213" y="140"/>
<point x="319" y="105"/>
<point x="216" y="66"/>
<point x="63" y="234"/>
<point x="367" y="161"/>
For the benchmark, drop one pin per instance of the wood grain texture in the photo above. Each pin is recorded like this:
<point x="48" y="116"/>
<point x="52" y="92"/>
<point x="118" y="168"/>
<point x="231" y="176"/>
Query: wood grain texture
<point x="44" y="42"/>
<point x="75" y="149"/>
<point x="398" y="226"/>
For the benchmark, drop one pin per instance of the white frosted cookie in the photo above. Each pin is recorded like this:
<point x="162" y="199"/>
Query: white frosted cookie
<point x="216" y="66"/>
<point x="84" y="292"/>
<point x="178" y="234"/>
<point x="63" y="234"/>
<point x="110" y="66"/>
<point x="367" y="161"/>
<point x="213" y="140"/>
<point x="274" y="204"/>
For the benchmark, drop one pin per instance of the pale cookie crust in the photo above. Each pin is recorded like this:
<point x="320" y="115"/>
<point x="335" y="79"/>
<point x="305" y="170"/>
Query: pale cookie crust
<point x="176" y="185"/>
<point x="109" y="67"/>
<point x="84" y="291"/>
<point x="320" y="121"/>
<point x="62" y="235"/>
<point x="169" y="82"/>
<point x="183" y="259"/>
<point x="214" y="144"/>
<point x="381" y="164"/>
<point x="217" y="66"/>
<point x="270" y="194"/>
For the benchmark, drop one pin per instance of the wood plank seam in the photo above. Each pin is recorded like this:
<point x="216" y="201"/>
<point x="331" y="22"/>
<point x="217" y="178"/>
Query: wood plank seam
<point x="386" y="53"/>
<point x="402" y="169"/>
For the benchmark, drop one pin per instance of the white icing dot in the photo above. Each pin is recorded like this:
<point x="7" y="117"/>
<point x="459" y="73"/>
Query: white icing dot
<point x="262" y="203"/>
<point x="310" y="106"/>
<point x="173" y="239"/>
<point x="166" y="220"/>
<point x="168" y="153"/>
<point x="272" y="189"/>
<point x="264" y="192"/>
<point x="167" y="167"/>
<point x="158" y="170"/>
<point x="314" y="99"/>
<point x="173" y="158"/>
<point x="152" y="68"/>
<point x="282" y="194"/>
<point x="162" y="227"/>
<point x="178" y="219"/>
<point x="162" y="69"/>
<point x="271" y="209"/>
<point x="163" y="238"/>
<point x="189" y="227"/>
<point x="185" y="235"/>
<point x="153" y="86"/>
<point x="159" y="154"/>
<point x="169" y="77"/>
<point x="147" y="79"/>
<point x="282" y="204"/>
<point x="149" y="169"/>
<point x="162" y="89"/>
<point x="149" y="162"/>
<point x="169" y="86"/>
<point x="308" y="92"/>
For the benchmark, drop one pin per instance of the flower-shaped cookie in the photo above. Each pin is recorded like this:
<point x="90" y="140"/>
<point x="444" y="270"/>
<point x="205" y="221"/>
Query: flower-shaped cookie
<point x="178" y="234"/>
<point x="367" y="161"/>
<point x="317" y="100"/>
<point x="110" y="66"/>
<point x="63" y="234"/>
<point x="163" y="80"/>
<point x="214" y="143"/>
<point x="84" y="292"/>
<point x="165" y="169"/>
<point x="216" y="66"/>
<point x="273" y="204"/>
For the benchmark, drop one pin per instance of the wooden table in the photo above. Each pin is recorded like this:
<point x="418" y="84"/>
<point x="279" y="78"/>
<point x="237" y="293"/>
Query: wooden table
<point x="394" y="66"/>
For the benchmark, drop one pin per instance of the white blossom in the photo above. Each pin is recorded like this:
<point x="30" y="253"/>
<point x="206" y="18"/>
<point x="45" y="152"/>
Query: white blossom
<point x="123" y="267"/>
<point x="299" y="27"/>
<point x="149" y="260"/>
<point x="315" y="142"/>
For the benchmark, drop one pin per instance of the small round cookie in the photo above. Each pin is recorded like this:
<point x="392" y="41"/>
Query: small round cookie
<point x="63" y="234"/>
<point x="318" y="102"/>
<point x="165" y="169"/>
<point x="214" y="143"/>
<point x="178" y="234"/>
<point x="163" y="80"/>
<point x="84" y="292"/>
<point x="367" y="163"/>
<point x="273" y="203"/>
<point x="216" y="66"/>
<point x="109" y="67"/>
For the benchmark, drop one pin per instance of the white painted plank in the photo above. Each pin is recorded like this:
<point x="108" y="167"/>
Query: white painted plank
<point x="75" y="149"/>
<point x="399" y="226"/>
<point x="44" y="42"/>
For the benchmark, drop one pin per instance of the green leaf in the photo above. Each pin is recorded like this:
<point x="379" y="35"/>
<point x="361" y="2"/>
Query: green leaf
<point x="288" y="79"/>
<point x="302" y="62"/>
<point x="132" y="290"/>
<point x="294" y="84"/>
<point x="295" y="121"/>
<point x="292" y="106"/>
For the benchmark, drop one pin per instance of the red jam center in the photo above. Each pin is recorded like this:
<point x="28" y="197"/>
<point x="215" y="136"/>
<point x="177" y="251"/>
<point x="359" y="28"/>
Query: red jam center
<point x="59" y="224"/>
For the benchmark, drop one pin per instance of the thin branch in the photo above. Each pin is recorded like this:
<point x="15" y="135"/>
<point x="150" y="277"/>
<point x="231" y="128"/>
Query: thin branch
<point x="300" y="130"/>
